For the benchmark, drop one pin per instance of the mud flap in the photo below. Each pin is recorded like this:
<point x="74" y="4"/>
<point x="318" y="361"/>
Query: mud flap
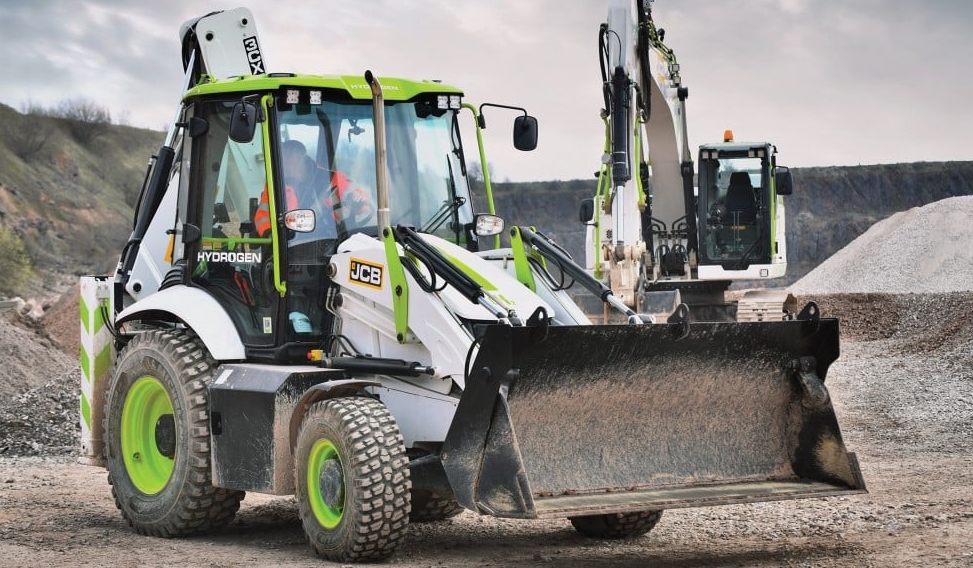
<point x="579" y="420"/>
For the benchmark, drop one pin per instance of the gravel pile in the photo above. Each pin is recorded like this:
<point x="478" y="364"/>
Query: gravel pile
<point x="42" y="421"/>
<point x="922" y="250"/>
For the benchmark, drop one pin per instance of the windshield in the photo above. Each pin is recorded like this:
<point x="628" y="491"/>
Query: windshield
<point x="731" y="199"/>
<point x="427" y="188"/>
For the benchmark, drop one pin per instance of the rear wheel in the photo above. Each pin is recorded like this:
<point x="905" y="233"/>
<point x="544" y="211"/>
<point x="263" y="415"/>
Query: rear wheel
<point x="617" y="525"/>
<point x="351" y="479"/>
<point x="157" y="437"/>
<point x="429" y="506"/>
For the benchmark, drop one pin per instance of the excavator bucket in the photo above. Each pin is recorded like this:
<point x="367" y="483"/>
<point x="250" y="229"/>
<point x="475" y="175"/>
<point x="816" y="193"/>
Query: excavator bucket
<point x="584" y="420"/>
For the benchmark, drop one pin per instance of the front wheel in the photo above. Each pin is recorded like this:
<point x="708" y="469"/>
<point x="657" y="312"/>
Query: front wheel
<point x="617" y="525"/>
<point x="157" y="437"/>
<point x="352" y="479"/>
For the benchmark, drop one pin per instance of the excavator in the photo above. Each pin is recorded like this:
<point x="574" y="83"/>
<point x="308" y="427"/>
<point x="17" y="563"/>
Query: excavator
<point x="376" y="354"/>
<point x="660" y="230"/>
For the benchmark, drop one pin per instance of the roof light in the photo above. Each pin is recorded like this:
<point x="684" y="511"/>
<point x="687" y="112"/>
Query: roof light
<point x="454" y="102"/>
<point x="728" y="135"/>
<point x="293" y="96"/>
<point x="316" y="97"/>
<point x="442" y="102"/>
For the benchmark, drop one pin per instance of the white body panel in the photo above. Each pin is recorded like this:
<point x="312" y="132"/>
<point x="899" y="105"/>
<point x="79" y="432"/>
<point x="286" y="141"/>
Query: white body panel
<point x="200" y="311"/>
<point x="151" y="265"/>
<point x="436" y="334"/>
<point x="422" y="416"/>
<point x="229" y="44"/>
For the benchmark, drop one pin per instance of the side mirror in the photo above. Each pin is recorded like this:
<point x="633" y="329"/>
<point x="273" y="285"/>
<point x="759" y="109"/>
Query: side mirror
<point x="243" y="122"/>
<point x="587" y="212"/>
<point x="525" y="133"/>
<point x="783" y="181"/>
<point x="300" y="220"/>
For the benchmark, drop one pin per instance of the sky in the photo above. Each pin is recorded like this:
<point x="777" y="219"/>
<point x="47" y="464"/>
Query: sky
<point x="830" y="83"/>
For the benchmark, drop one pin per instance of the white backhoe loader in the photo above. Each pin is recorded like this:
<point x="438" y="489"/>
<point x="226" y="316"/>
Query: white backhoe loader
<point x="374" y="354"/>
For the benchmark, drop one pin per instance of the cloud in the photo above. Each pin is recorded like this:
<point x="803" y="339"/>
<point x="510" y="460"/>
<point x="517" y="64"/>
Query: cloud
<point x="860" y="81"/>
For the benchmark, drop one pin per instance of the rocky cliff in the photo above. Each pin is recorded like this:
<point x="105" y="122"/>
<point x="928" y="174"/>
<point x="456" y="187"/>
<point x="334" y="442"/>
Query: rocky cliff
<point x="832" y="206"/>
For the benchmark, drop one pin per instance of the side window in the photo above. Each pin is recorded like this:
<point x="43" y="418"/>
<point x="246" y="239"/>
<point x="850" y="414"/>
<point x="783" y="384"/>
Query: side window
<point x="234" y="178"/>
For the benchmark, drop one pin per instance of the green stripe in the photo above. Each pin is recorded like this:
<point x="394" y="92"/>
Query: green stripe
<point x="86" y="313"/>
<point x="477" y="277"/>
<point x="85" y="361"/>
<point x="85" y="411"/>
<point x="101" y="363"/>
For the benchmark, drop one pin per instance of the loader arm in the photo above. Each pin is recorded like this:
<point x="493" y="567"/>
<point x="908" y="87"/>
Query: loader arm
<point x="550" y="251"/>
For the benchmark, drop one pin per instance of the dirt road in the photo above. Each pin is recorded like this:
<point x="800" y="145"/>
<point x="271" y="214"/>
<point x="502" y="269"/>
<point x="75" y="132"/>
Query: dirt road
<point x="903" y="391"/>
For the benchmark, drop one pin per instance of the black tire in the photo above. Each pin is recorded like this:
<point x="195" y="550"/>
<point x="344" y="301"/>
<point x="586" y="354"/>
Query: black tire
<point x="429" y="506"/>
<point x="157" y="445"/>
<point x="617" y="525"/>
<point x="358" y="509"/>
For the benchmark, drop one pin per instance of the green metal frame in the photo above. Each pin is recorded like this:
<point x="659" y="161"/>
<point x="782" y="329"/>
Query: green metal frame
<point x="400" y="286"/>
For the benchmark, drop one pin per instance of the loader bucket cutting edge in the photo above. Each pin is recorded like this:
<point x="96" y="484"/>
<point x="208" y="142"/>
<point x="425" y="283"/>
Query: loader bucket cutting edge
<point x="593" y="419"/>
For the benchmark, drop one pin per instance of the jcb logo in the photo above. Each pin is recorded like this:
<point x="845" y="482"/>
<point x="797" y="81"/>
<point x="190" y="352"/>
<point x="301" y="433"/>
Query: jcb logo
<point x="253" y="55"/>
<point x="365" y="273"/>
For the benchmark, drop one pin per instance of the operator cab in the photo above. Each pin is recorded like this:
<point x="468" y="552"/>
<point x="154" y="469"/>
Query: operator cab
<point x="737" y="204"/>
<point x="266" y="236"/>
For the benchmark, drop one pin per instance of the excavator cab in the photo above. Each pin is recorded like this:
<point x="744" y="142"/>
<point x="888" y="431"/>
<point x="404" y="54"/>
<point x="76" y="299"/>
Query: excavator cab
<point x="739" y="209"/>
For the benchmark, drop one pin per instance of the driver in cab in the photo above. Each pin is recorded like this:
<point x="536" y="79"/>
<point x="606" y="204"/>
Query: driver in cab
<point x="309" y="186"/>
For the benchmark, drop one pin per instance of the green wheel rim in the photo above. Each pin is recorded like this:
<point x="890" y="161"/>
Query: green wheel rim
<point x="324" y="459"/>
<point x="147" y="467"/>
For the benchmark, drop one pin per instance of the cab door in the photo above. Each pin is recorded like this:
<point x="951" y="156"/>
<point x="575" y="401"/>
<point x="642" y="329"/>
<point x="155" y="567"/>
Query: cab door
<point x="228" y="260"/>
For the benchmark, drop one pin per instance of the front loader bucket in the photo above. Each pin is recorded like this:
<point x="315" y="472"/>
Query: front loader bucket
<point x="581" y="420"/>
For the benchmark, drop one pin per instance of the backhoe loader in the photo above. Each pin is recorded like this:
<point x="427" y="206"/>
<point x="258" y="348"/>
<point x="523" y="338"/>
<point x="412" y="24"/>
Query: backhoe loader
<point x="374" y="353"/>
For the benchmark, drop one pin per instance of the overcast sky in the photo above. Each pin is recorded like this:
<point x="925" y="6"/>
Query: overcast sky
<point x="831" y="83"/>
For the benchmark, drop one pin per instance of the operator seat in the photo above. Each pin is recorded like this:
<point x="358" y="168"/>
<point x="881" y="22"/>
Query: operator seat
<point x="740" y="199"/>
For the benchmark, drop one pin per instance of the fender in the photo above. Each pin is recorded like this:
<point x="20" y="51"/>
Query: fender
<point x="196" y="309"/>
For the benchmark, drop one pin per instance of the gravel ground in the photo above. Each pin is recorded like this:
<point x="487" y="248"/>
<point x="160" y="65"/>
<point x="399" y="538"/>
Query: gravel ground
<point x="902" y="392"/>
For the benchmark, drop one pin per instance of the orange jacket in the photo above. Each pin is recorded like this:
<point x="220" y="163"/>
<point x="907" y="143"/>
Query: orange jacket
<point x="356" y="199"/>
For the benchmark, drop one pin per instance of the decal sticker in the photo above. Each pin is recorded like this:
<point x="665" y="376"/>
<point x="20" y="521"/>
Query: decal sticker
<point x="253" y="55"/>
<point x="237" y="257"/>
<point x="366" y="273"/>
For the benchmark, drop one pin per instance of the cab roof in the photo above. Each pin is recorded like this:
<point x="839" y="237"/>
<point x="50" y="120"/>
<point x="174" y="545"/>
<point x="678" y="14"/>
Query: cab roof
<point x="393" y="88"/>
